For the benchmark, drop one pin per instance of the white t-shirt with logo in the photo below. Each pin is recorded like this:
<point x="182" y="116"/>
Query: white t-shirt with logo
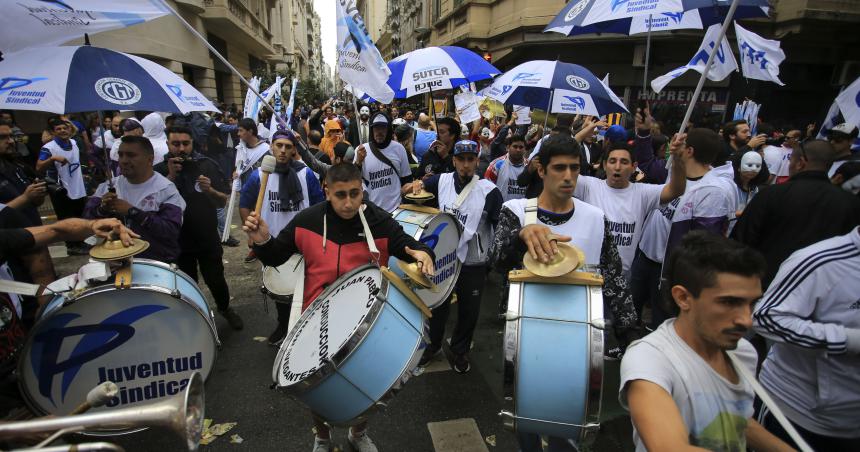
<point x="715" y="410"/>
<point x="383" y="181"/>
<point x="625" y="210"/>
<point x="655" y="234"/>
<point x="147" y="196"/>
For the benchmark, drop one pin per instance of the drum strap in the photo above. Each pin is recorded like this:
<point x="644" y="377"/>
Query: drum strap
<point x="769" y="402"/>
<point x="465" y="192"/>
<point x="371" y="244"/>
<point x="19" y="288"/>
<point x="531" y="211"/>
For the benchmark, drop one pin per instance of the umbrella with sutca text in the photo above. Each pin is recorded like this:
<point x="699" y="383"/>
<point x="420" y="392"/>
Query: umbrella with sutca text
<point x="72" y="79"/>
<point x="436" y="69"/>
<point x="555" y="87"/>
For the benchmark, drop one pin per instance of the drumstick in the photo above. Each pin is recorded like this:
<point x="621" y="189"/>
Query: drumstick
<point x="97" y="397"/>
<point x="268" y="167"/>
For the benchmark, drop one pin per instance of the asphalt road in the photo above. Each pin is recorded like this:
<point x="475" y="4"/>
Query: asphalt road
<point x="461" y="410"/>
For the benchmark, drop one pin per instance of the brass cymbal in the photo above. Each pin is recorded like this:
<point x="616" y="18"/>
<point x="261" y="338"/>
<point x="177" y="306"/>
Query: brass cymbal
<point x="568" y="259"/>
<point x="113" y="250"/>
<point x="420" y="197"/>
<point x="414" y="273"/>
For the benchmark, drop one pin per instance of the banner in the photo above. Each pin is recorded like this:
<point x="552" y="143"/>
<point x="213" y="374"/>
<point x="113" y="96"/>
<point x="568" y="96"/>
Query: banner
<point x="760" y="58"/>
<point x="723" y="65"/>
<point x="524" y="115"/>
<point x="849" y="103"/>
<point x="467" y="107"/>
<point x="251" y="98"/>
<point x="358" y="60"/>
<point x="441" y="107"/>
<point x="38" y="23"/>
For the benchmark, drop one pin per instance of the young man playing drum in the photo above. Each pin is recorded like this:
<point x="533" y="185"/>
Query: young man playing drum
<point x="331" y="238"/>
<point x="476" y="204"/>
<point x="571" y="220"/>
<point x="683" y="383"/>
<point x="290" y="189"/>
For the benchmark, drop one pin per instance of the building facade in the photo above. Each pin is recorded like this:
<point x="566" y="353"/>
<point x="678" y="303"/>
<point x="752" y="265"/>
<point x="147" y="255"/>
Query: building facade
<point x="818" y="36"/>
<point x="253" y="35"/>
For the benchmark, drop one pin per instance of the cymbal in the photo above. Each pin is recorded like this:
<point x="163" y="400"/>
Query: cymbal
<point x="420" y="197"/>
<point x="414" y="273"/>
<point x="568" y="259"/>
<point x="113" y="250"/>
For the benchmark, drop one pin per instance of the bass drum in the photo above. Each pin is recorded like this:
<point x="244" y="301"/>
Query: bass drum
<point x="553" y="370"/>
<point x="441" y="232"/>
<point x="353" y="347"/>
<point x="148" y="339"/>
<point x="279" y="283"/>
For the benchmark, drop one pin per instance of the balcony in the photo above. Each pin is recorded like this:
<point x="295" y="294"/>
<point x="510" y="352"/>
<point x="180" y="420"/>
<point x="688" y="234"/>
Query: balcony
<point x="231" y="18"/>
<point x="192" y="5"/>
<point x="831" y="10"/>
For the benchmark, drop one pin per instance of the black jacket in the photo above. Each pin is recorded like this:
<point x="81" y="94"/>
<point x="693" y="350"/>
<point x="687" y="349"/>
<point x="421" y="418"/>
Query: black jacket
<point x="784" y="218"/>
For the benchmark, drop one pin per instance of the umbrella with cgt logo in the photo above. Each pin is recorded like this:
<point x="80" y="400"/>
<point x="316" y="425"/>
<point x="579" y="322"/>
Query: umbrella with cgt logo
<point x="71" y="79"/>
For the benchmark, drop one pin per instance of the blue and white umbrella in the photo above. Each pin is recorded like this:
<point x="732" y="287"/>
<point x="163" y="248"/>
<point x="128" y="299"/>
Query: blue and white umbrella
<point x="570" y="88"/>
<point x="85" y="78"/>
<point x="436" y="69"/>
<point x="581" y="13"/>
<point x="693" y="19"/>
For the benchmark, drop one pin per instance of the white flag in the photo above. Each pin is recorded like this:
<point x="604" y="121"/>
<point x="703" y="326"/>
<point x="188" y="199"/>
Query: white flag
<point x="833" y="119"/>
<point x="849" y="103"/>
<point x="251" y="98"/>
<point x="358" y="60"/>
<point x="36" y="23"/>
<point x="723" y="65"/>
<point x="268" y="95"/>
<point x="274" y="123"/>
<point x="760" y="58"/>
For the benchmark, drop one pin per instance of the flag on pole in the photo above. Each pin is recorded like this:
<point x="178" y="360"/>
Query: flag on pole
<point x="849" y="103"/>
<point x="358" y="60"/>
<point x="833" y="118"/>
<point x="251" y="98"/>
<point x="724" y="61"/>
<point x="268" y="95"/>
<point x="39" y="23"/>
<point x="760" y="57"/>
<point x="273" y="124"/>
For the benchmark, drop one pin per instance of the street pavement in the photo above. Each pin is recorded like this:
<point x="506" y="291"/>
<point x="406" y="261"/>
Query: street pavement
<point x="438" y="410"/>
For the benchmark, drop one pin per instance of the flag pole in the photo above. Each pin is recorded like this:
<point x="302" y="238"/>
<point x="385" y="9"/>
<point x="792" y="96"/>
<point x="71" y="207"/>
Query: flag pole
<point x="548" y="108"/>
<point x="717" y="45"/>
<point x="432" y="106"/>
<point x="647" y="58"/>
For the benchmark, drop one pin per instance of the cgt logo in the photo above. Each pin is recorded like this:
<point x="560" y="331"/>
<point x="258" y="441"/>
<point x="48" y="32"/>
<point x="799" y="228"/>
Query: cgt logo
<point x="577" y="82"/>
<point x="118" y="91"/>
<point x="96" y="341"/>
<point x="10" y="83"/>
<point x="432" y="239"/>
<point x="578" y="102"/>
<point x="575" y="11"/>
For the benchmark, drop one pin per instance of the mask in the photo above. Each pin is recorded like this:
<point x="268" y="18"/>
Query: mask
<point x="751" y="162"/>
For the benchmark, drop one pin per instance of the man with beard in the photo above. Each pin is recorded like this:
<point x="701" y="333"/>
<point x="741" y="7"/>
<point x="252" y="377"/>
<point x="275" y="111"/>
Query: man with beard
<point x="384" y="164"/>
<point x="682" y="383"/>
<point x="292" y="188"/>
<point x="18" y="187"/>
<point x="475" y="203"/>
<point x="409" y="117"/>
<point x="204" y="189"/>
<point x="359" y="131"/>
<point x="505" y="170"/>
<point x="738" y="141"/>
<point x="148" y="203"/>
<point x="60" y="158"/>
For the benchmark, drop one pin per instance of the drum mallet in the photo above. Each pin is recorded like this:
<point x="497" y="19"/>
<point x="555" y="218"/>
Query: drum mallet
<point x="97" y="397"/>
<point x="268" y="167"/>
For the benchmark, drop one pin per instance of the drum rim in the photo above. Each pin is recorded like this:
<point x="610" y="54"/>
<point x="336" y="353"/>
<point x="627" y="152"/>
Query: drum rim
<point x="458" y="266"/>
<point x="340" y="356"/>
<point x="30" y="401"/>
<point x="267" y="291"/>
<point x="596" y="344"/>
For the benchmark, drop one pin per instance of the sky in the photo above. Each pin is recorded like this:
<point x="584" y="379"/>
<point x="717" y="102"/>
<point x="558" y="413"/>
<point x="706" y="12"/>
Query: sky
<point x="328" y="34"/>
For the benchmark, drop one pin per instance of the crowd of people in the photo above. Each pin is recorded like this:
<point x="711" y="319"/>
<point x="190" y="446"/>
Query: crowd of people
<point x="715" y="246"/>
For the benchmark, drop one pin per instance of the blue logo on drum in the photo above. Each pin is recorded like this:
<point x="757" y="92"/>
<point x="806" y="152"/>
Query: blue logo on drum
<point x="96" y="341"/>
<point x="433" y="239"/>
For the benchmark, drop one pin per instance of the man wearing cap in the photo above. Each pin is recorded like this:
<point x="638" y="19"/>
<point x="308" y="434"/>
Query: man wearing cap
<point x="842" y="138"/>
<point x="476" y="204"/>
<point x="384" y="164"/>
<point x="60" y="158"/>
<point x="359" y="131"/>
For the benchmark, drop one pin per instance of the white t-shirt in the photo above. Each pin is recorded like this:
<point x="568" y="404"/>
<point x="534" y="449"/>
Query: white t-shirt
<point x="776" y="158"/>
<point x="715" y="410"/>
<point x="147" y="196"/>
<point x="383" y="181"/>
<point x="625" y="209"/>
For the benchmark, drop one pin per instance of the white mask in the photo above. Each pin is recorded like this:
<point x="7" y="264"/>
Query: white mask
<point x="751" y="162"/>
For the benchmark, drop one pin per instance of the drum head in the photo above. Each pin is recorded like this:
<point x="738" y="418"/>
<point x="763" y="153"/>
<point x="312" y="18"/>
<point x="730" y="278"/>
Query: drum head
<point x="442" y="234"/>
<point x="282" y="280"/>
<point x="328" y="325"/>
<point x="143" y="339"/>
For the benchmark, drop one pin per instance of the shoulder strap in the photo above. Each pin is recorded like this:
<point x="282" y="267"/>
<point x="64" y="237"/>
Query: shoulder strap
<point x="382" y="158"/>
<point x="531" y="211"/>
<point x="465" y="192"/>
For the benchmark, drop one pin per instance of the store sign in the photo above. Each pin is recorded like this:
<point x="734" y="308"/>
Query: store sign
<point x="684" y="95"/>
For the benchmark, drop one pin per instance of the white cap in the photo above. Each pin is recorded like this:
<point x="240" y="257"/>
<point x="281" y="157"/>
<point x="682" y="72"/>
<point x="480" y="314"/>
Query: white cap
<point x="844" y="128"/>
<point x="398" y="121"/>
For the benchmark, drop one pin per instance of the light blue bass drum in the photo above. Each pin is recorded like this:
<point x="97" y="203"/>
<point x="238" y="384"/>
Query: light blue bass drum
<point x="553" y="370"/>
<point x="441" y="232"/>
<point x="148" y="338"/>
<point x="352" y="348"/>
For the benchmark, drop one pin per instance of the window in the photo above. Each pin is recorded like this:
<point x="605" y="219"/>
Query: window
<point x="256" y="65"/>
<point x="437" y="9"/>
